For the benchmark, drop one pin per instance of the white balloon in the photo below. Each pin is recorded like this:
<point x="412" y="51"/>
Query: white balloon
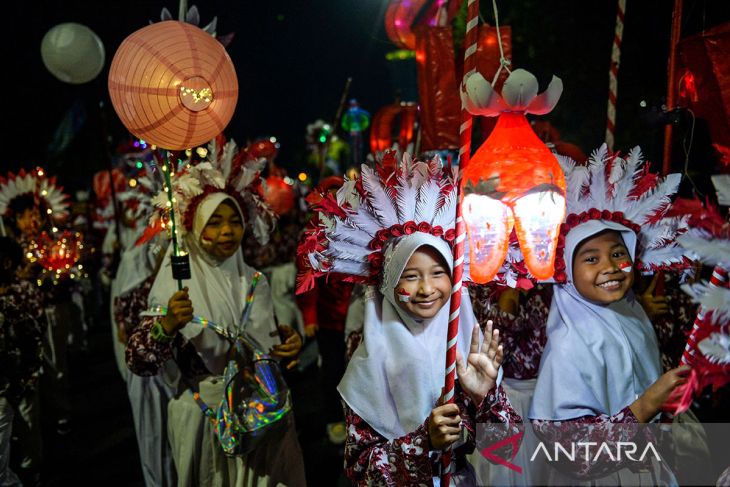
<point x="73" y="53"/>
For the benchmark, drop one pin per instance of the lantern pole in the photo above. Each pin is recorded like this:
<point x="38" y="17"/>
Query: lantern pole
<point x="613" y="74"/>
<point x="671" y="83"/>
<point x="167" y="169"/>
<point x="470" y="49"/>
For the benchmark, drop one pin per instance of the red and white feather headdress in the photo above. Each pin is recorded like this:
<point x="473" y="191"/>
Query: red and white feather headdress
<point x="226" y="170"/>
<point x="622" y="190"/>
<point x="351" y="229"/>
<point x="42" y="188"/>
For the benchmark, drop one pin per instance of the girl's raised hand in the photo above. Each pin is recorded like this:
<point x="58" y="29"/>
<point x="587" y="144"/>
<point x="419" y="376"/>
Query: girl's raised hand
<point x="479" y="374"/>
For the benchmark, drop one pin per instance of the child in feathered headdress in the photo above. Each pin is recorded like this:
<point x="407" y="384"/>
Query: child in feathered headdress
<point x="191" y="331"/>
<point x="394" y="231"/>
<point x="601" y="363"/>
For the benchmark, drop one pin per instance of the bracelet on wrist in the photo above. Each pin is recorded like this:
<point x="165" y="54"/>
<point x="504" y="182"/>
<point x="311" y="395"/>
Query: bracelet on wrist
<point x="158" y="333"/>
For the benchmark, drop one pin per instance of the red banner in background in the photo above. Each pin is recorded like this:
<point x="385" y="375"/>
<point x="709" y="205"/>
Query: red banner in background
<point x="438" y="90"/>
<point x="704" y="83"/>
<point x="439" y="78"/>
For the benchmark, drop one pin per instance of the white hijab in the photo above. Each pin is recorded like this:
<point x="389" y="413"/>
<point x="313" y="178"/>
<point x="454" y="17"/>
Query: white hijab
<point x="598" y="358"/>
<point x="396" y="375"/>
<point x="218" y="293"/>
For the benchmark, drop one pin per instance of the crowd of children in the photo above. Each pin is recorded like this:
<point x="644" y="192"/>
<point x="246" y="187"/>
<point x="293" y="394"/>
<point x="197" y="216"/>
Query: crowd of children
<point x="205" y="326"/>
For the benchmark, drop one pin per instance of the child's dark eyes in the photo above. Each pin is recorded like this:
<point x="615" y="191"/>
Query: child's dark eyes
<point x="619" y="254"/>
<point x="438" y="273"/>
<point x="591" y="260"/>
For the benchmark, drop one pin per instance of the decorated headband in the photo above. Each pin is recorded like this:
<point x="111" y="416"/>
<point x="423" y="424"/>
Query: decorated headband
<point x="352" y="229"/>
<point x="226" y="170"/>
<point x="35" y="183"/>
<point x="622" y="190"/>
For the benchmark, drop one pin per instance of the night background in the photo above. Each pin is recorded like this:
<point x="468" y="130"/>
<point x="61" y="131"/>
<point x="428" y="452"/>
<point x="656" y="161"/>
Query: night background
<point x="292" y="59"/>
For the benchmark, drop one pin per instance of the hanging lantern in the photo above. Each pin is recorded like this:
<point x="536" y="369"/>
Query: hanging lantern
<point x="513" y="180"/>
<point x="173" y="85"/>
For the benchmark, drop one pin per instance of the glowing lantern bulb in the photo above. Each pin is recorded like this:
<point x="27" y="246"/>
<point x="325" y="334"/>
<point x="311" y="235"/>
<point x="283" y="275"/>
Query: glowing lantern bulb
<point x="537" y="219"/>
<point x="489" y="224"/>
<point x="514" y="167"/>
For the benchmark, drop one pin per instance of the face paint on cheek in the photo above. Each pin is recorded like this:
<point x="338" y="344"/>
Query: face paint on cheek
<point x="626" y="267"/>
<point x="403" y="295"/>
<point x="206" y="242"/>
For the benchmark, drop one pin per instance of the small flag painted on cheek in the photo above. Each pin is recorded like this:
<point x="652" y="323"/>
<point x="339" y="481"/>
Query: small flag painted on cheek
<point x="625" y="266"/>
<point x="403" y="295"/>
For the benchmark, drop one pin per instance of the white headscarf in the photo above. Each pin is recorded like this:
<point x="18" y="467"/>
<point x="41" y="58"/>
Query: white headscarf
<point x="598" y="358"/>
<point x="218" y="293"/>
<point x="396" y="374"/>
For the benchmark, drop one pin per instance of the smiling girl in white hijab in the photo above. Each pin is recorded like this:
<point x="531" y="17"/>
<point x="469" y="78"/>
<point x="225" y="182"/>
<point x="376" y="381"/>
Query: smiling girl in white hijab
<point x="397" y="231"/>
<point x="601" y="363"/>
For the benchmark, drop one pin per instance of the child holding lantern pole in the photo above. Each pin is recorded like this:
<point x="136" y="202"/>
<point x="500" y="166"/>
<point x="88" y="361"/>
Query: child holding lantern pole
<point x="189" y="333"/>
<point x="601" y="364"/>
<point x="395" y="233"/>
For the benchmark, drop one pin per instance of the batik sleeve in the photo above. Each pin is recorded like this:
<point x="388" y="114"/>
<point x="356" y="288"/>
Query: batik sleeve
<point x="370" y="459"/>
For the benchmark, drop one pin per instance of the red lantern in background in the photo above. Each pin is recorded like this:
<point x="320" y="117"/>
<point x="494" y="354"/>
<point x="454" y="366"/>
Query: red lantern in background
<point x="513" y="180"/>
<point x="704" y="82"/>
<point x="391" y="124"/>
<point x="279" y="195"/>
<point x="58" y="254"/>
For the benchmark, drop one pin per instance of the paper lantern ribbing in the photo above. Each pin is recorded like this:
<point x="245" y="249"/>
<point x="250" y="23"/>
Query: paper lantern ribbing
<point x="173" y="85"/>
<point x="72" y="53"/>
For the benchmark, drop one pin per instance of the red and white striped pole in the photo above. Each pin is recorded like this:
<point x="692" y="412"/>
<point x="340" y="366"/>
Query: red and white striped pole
<point x="613" y="74"/>
<point x="719" y="279"/>
<point x="470" y="43"/>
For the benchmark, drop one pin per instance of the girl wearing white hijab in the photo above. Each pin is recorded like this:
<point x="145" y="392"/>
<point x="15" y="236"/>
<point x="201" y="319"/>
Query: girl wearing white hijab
<point x="217" y="290"/>
<point x="393" y="231"/>
<point x="601" y="364"/>
<point x="396" y="428"/>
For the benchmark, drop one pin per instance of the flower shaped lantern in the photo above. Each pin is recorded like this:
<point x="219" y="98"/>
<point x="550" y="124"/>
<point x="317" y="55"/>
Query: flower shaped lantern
<point x="513" y="180"/>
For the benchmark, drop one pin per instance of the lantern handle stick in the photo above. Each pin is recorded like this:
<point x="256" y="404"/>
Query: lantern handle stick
<point x="470" y="49"/>
<point x="182" y="10"/>
<point x="166" y="171"/>
<point x="338" y="115"/>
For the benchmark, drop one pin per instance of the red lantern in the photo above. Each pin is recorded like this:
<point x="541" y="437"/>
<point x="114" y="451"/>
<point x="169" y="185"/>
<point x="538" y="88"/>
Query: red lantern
<point x="59" y="254"/>
<point x="391" y="124"/>
<point x="513" y="180"/>
<point x="279" y="195"/>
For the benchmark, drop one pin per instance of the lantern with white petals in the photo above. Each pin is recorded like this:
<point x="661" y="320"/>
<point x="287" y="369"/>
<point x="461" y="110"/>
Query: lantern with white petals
<point x="513" y="180"/>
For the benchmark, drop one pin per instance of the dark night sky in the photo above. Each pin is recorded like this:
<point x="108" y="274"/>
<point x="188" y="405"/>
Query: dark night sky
<point x="292" y="59"/>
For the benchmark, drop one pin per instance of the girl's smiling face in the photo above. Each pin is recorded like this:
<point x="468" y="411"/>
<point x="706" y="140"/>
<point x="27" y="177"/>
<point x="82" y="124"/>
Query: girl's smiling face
<point x="602" y="268"/>
<point x="222" y="234"/>
<point x="424" y="286"/>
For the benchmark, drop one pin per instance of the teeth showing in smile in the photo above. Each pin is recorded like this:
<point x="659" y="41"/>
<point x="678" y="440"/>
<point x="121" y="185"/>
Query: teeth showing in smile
<point x="609" y="284"/>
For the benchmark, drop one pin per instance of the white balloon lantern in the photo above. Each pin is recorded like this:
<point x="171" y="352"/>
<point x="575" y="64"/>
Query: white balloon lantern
<point x="73" y="53"/>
